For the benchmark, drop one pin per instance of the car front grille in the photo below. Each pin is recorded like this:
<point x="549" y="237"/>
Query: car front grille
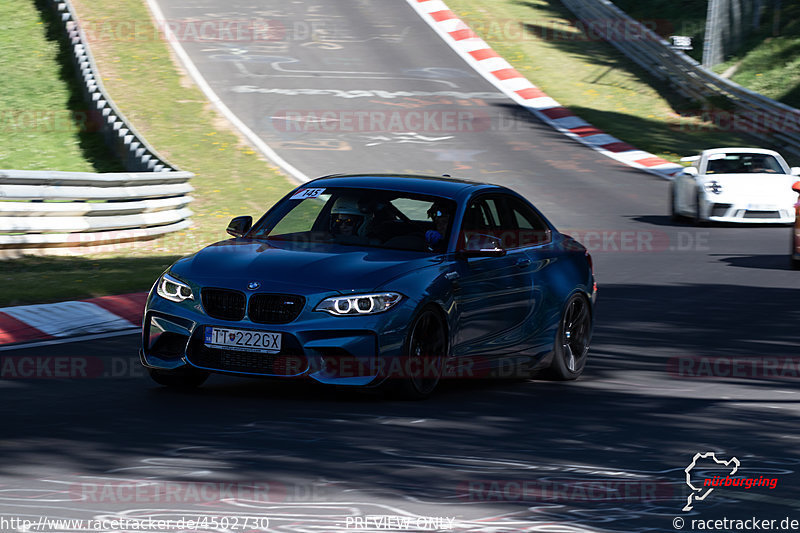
<point x="227" y="304"/>
<point x="275" y="308"/>
<point x="762" y="214"/>
<point x="223" y="304"/>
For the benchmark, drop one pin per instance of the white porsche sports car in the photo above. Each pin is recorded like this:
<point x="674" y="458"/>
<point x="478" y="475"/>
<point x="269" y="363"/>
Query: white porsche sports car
<point x="749" y="185"/>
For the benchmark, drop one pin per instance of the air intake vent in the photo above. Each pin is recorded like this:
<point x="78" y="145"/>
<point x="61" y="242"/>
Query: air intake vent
<point x="762" y="214"/>
<point x="719" y="210"/>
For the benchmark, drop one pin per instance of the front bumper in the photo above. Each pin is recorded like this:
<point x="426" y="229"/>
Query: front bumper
<point x="718" y="210"/>
<point x="351" y="350"/>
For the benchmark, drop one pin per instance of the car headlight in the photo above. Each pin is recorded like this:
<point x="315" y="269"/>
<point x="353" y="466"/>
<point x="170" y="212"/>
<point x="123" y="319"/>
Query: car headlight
<point x="713" y="187"/>
<point x="359" y="304"/>
<point x="173" y="289"/>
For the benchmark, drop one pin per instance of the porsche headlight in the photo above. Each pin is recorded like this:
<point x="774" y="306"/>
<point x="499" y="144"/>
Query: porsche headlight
<point x="713" y="187"/>
<point x="173" y="289"/>
<point x="359" y="304"/>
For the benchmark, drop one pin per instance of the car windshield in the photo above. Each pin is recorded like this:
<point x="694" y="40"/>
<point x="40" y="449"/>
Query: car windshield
<point x="360" y="217"/>
<point x="743" y="163"/>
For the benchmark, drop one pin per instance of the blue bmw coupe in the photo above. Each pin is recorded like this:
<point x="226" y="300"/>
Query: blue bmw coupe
<point x="370" y="280"/>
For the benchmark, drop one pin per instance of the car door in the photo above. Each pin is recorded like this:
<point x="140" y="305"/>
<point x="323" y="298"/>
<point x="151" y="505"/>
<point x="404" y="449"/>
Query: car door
<point x="532" y="238"/>
<point x="493" y="294"/>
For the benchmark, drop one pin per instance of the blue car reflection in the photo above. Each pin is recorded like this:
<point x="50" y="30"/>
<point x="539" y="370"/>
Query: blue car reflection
<point x="370" y="280"/>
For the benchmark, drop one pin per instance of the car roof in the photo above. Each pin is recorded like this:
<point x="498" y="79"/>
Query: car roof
<point x="413" y="183"/>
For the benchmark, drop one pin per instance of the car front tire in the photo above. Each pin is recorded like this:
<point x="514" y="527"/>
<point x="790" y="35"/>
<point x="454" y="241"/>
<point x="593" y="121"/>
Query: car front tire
<point x="424" y="355"/>
<point x="698" y="217"/>
<point x="675" y="216"/>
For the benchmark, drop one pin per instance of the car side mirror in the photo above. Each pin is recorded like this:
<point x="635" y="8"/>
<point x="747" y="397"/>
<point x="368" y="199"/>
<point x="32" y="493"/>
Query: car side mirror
<point x="479" y="245"/>
<point x="690" y="171"/>
<point x="796" y="186"/>
<point x="795" y="171"/>
<point x="239" y="226"/>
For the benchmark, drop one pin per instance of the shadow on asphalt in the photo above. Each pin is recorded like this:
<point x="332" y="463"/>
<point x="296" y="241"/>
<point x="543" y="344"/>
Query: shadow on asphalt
<point x="666" y="220"/>
<point x="768" y="262"/>
<point x="602" y="427"/>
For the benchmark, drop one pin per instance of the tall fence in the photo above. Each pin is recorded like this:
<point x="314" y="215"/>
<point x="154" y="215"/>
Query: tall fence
<point x="722" y="100"/>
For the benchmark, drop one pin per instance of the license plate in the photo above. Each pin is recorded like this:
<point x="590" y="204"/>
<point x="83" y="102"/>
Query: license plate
<point x="761" y="207"/>
<point x="244" y="340"/>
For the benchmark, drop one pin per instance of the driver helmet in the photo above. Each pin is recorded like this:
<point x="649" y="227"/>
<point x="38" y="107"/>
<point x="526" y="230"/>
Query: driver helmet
<point x="347" y="218"/>
<point x="438" y="210"/>
<point x="440" y="215"/>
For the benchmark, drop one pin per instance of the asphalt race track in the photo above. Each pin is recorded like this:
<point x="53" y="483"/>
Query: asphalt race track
<point x="693" y="348"/>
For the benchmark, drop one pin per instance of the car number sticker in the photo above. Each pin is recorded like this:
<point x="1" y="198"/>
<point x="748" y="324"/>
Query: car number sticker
<point x="305" y="194"/>
<point x="244" y="340"/>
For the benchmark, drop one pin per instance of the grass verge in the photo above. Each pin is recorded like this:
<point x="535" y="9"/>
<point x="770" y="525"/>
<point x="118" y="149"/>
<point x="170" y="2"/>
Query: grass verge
<point x="172" y="113"/>
<point x="770" y="60"/>
<point x="591" y="77"/>
<point x="772" y="68"/>
<point x="40" y="104"/>
<point x="53" y="279"/>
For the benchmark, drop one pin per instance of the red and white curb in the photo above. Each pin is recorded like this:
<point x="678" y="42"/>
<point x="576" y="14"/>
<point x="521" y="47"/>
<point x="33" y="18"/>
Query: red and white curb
<point x="27" y="323"/>
<point x="499" y="72"/>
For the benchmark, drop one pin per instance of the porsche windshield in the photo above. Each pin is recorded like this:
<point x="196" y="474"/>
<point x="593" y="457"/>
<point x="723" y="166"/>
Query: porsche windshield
<point x="743" y="163"/>
<point x="361" y="217"/>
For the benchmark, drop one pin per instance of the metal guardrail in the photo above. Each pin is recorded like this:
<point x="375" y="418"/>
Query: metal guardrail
<point x="42" y="208"/>
<point x="48" y="211"/>
<point x="751" y="113"/>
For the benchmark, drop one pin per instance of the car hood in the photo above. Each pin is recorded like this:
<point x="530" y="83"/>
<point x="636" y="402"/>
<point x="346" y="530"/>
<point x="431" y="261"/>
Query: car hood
<point x="301" y="268"/>
<point x="775" y="186"/>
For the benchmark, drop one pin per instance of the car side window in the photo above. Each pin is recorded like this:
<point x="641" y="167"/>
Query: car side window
<point x="529" y="229"/>
<point x="479" y="219"/>
<point x="495" y="209"/>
